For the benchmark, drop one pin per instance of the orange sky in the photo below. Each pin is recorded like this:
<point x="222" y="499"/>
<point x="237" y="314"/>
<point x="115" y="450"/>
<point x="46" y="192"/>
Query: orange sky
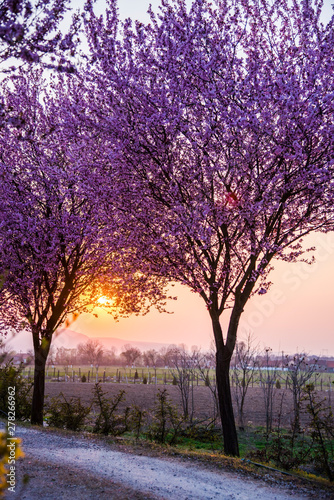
<point x="296" y="314"/>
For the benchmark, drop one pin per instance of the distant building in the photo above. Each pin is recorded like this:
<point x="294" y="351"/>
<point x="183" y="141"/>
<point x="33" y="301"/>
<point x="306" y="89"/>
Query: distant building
<point x="325" y="365"/>
<point x="330" y="365"/>
<point x="21" y="357"/>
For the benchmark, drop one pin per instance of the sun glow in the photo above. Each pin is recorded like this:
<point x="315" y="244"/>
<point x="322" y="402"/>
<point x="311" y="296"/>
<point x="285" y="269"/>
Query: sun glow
<point x="103" y="301"/>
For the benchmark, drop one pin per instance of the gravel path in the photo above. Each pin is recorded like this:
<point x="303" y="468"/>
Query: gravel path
<point x="69" y="466"/>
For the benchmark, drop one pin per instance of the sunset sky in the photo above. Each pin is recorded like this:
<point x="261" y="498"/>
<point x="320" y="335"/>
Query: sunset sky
<point x="296" y="314"/>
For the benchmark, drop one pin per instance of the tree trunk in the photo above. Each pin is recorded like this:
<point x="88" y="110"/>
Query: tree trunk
<point x="231" y="446"/>
<point x="41" y="354"/>
<point x="223" y="359"/>
<point x="241" y="411"/>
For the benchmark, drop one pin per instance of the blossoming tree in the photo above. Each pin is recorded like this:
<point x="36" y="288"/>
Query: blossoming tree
<point x="58" y="254"/>
<point x="223" y="115"/>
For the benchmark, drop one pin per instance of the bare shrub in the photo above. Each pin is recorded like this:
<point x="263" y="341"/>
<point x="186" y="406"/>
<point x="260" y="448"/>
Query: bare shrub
<point x="321" y="426"/>
<point x="243" y="373"/>
<point x="182" y="370"/>
<point x="298" y="374"/>
<point x="205" y="364"/>
<point x="268" y="373"/>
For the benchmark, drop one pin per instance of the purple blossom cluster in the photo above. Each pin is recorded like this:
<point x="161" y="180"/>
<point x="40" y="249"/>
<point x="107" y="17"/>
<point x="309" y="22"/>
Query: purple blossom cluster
<point x="29" y="30"/>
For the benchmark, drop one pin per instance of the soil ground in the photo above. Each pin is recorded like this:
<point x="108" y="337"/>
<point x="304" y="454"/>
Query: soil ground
<point x="144" y="396"/>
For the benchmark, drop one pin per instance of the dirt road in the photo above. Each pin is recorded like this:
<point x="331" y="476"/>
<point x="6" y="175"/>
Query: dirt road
<point x="81" y="467"/>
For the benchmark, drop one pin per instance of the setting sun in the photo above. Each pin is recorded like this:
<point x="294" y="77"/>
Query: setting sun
<point x="102" y="301"/>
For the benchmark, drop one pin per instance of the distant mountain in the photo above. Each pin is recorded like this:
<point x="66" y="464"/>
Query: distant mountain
<point x="109" y="342"/>
<point x="69" y="339"/>
<point x="22" y="342"/>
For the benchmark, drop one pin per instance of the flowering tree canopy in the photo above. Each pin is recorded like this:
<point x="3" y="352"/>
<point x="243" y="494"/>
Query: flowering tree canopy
<point x="223" y="118"/>
<point x="57" y="253"/>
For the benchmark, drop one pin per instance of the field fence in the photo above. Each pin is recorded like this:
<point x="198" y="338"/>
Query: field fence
<point x="158" y="376"/>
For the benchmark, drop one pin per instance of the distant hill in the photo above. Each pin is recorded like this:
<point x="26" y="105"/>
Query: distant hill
<point x="22" y="342"/>
<point x="109" y="342"/>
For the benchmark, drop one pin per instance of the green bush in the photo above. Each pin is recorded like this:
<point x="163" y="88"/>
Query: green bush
<point x="108" y="421"/>
<point x="11" y="376"/>
<point x="166" y="422"/>
<point x="285" y="450"/>
<point x="136" y="420"/>
<point x="66" y="414"/>
<point x="203" y="434"/>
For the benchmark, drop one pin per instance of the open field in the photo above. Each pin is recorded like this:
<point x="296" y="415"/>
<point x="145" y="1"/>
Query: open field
<point x="144" y="396"/>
